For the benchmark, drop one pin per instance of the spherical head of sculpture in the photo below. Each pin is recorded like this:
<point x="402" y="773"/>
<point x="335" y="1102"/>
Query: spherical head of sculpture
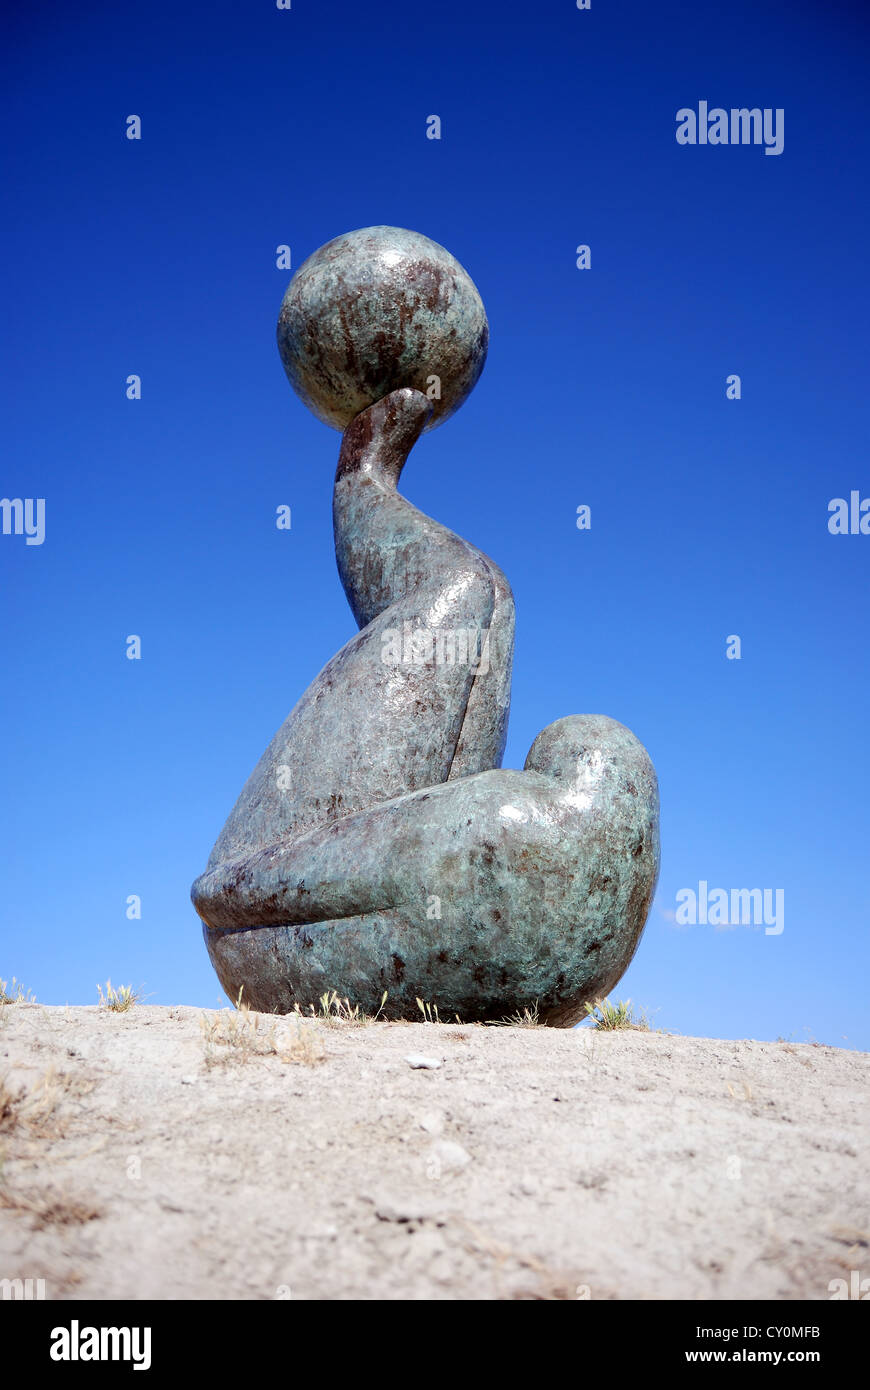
<point x="375" y="310"/>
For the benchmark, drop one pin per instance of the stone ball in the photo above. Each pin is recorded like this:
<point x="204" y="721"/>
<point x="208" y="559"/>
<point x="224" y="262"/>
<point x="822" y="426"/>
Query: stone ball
<point x="375" y="310"/>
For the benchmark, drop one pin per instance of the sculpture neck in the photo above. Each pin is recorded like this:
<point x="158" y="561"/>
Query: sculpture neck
<point x="384" y="546"/>
<point x="378" y="441"/>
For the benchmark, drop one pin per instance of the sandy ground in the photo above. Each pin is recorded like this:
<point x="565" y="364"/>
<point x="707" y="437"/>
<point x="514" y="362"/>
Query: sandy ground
<point x="169" y="1153"/>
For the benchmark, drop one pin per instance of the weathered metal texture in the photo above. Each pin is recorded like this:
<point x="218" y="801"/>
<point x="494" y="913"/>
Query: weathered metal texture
<point x="378" y="845"/>
<point x="375" y="310"/>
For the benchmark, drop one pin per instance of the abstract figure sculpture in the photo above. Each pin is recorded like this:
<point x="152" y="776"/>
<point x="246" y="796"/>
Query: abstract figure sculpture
<point x="378" y="845"/>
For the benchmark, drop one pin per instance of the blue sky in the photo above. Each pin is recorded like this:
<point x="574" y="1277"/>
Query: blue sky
<point x="604" y="387"/>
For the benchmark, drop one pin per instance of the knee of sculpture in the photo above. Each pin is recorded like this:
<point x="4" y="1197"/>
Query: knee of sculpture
<point x="379" y="847"/>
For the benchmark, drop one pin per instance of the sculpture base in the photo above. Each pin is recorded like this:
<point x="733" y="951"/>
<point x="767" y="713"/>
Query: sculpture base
<point x="485" y="896"/>
<point x="482" y="971"/>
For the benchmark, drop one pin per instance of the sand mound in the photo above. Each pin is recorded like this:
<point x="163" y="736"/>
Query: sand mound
<point x="167" y="1153"/>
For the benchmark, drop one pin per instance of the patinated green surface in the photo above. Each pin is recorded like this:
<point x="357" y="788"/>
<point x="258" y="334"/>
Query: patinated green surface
<point x="378" y="845"/>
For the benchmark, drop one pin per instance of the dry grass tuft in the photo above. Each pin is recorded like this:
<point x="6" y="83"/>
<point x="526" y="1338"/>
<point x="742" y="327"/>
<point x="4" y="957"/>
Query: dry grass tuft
<point x="331" y="1009"/>
<point x="37" y="1111"/>
<point x="118" y="1001"/>
<point x="14" y="993"/>
<point x="523" y="1018"/>
<point x="431" y="1015"/>
<point x="237" y="1037"/>
<point x="612" y="1017"/>
<point x="50" y="1209"/>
